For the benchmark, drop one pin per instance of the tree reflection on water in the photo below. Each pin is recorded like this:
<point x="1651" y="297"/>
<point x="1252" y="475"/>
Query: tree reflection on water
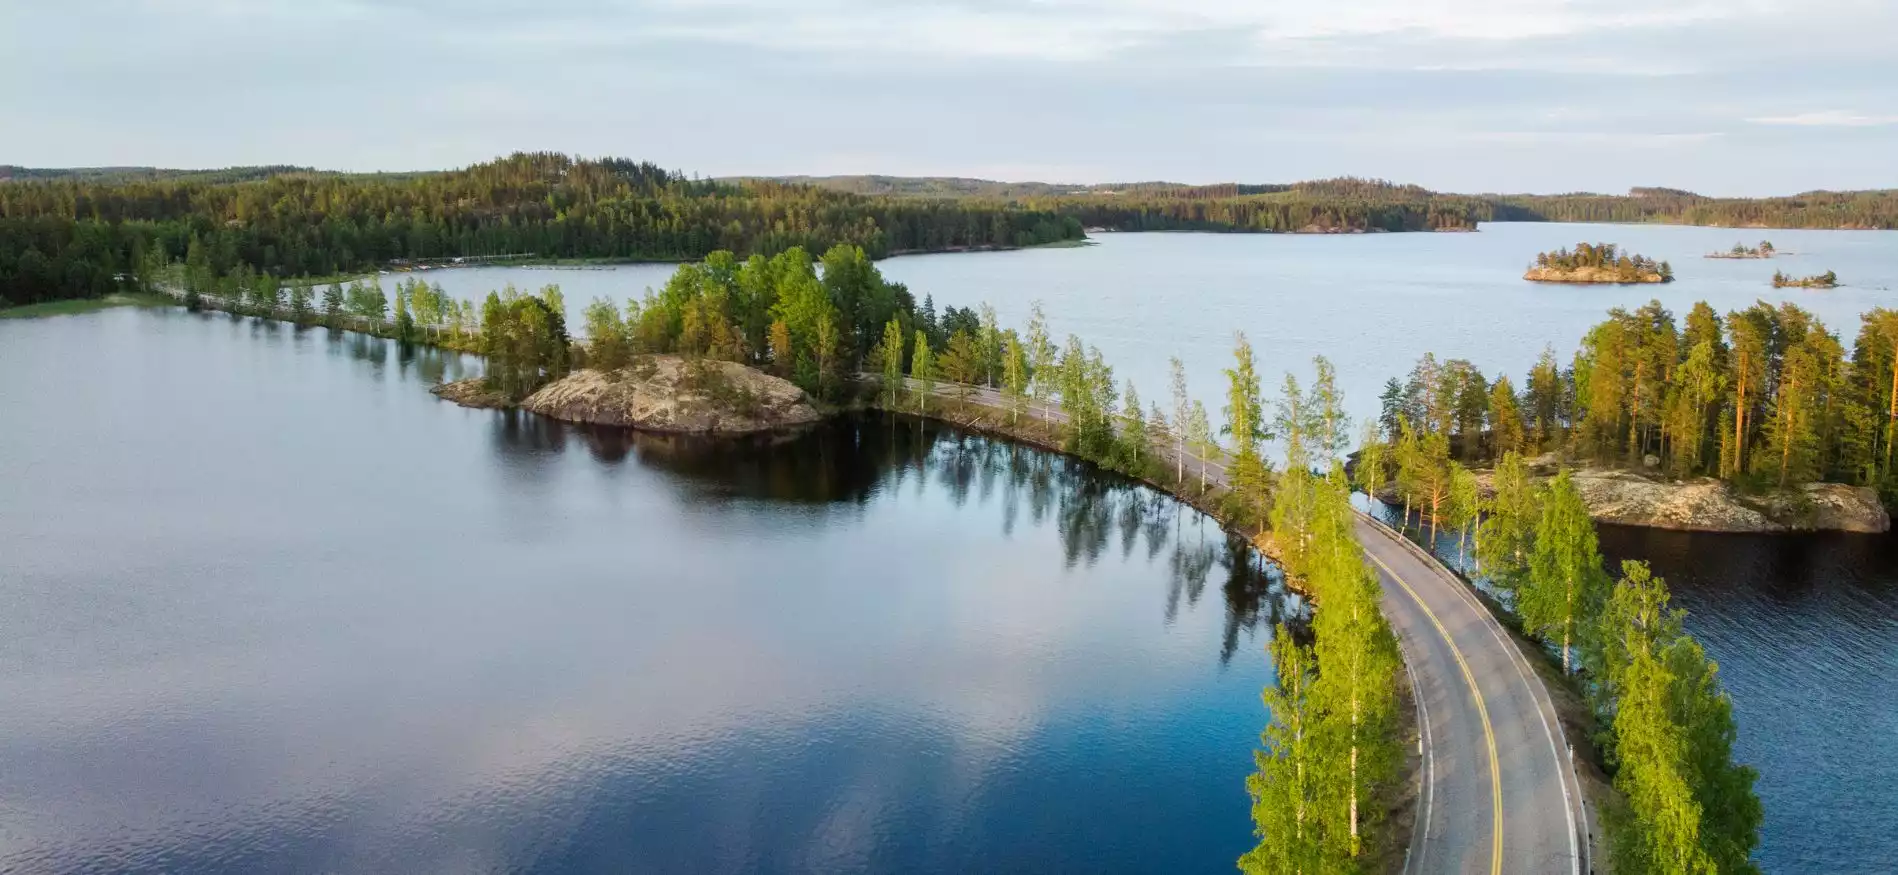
<point x="849" y="460"/>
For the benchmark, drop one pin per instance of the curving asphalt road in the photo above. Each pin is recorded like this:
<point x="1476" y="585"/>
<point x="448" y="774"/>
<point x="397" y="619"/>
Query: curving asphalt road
<point x="1499" y="790"/>
<point x="1499" y="787"/>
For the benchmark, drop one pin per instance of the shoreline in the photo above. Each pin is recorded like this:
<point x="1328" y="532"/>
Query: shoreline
<point x="1399" y="800"/>
<point x="75" y="306"/>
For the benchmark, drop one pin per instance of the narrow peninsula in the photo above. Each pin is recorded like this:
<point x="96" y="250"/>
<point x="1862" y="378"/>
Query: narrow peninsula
<point x="1597" y="263"/>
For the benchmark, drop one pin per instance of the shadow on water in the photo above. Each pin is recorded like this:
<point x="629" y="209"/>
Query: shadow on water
<point x="849" y="460"/>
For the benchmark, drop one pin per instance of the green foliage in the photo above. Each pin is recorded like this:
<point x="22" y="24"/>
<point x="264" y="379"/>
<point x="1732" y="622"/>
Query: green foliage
<point x="1764" y="397"/>
<point x="889" y="358"/>
<point x="1015" y="374"/>
<point x="1507" y="536"/>
<point x="1285" y="789"/>
<point x="1332" y="739"/>
<point x="1247" y="475"/>
<point x="922" y="369"/>
<point x="75" y="233"/>
<point x="1462" y="510"/>
<point x="525" y="341"/>
<point x="608" y="345"/>
<point x="1827" y="280"/>
<point x="1565" y="584"/>
<point x="962" y="361"/>
<point x="1604" y="257"/>
<point x="1690" y="808"/>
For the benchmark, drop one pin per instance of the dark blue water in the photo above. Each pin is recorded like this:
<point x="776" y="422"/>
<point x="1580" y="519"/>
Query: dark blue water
<point x="1805" y="630"/>
<point x="266" y="605"/>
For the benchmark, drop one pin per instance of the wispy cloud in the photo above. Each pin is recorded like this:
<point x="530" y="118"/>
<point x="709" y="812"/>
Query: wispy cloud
<point x="1830" y="118"/>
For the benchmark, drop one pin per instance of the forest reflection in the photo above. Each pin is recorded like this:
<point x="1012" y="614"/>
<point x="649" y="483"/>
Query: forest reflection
<point x="849" y="460"/>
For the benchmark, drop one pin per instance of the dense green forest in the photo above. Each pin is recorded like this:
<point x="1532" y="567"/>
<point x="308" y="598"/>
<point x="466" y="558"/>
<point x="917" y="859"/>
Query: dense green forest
<point x="80" y="235"/>
<point x="1761" y="397"/>
<point x="1813" y="209"/>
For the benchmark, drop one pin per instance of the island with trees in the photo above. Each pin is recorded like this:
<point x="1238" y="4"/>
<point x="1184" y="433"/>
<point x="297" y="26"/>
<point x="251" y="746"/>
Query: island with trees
<point x="1741" y="250"/>
<point x="1597" y="263"/>
<point x="1827" y="280"/>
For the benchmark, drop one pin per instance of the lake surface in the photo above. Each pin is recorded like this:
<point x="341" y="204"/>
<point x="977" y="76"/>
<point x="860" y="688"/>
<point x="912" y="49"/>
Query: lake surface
<point x="1788" y="619"/>
<point x="266" y="605"/>
<point x="1372" y="303"/>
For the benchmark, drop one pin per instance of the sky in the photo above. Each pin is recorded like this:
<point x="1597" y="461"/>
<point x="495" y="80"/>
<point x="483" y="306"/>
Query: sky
<point x="1724" y="97"/>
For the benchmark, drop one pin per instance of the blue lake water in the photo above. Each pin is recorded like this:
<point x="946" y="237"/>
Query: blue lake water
<point x="268" y="601"/>
<point x="271" y="607"/>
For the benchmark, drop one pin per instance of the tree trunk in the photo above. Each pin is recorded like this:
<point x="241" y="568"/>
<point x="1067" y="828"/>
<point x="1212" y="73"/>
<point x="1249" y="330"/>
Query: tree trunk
<point x="1435" y="502"/>
<point x="1892" y="414"/>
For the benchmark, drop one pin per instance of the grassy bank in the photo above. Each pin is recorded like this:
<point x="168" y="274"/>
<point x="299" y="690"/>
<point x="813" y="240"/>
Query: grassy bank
<point x="88" y="305"/>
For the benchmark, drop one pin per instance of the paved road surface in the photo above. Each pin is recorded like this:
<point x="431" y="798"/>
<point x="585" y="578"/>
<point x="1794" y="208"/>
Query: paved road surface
<point x="1500" y="793"/>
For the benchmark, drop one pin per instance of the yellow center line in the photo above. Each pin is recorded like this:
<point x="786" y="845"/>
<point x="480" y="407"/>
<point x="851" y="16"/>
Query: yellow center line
<point x="1482" y="711"/>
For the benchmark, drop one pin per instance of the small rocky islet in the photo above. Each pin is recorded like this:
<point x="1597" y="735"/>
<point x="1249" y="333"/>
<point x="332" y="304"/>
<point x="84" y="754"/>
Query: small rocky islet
<point x="660" y="393"/>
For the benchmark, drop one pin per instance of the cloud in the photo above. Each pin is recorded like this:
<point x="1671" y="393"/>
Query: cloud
<point x="1548" y="91"/>
<point x="1830" y="118"/>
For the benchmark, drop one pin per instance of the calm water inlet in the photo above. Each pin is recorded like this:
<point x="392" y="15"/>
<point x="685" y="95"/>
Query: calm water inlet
<point x="269" y="606"/>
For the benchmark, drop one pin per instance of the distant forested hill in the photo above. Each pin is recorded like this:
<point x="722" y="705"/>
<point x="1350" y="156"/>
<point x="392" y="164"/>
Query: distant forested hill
<point x="85" y="232"/>
<point x="77" y="233"/>
<point x="112" y="175"/>
<point x="1813" y="209"/>
<point x="1367" y="204"/>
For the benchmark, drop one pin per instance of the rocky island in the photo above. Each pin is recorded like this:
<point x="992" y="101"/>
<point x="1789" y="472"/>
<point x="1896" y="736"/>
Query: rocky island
<point x="1597" y="263"/>
<point x="1827" y="280"/>
<point x="1741" y="250"/>
<point x="663" y="393"/>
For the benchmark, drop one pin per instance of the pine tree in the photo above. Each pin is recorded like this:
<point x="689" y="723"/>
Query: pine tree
<point x="1505" y="419"/>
